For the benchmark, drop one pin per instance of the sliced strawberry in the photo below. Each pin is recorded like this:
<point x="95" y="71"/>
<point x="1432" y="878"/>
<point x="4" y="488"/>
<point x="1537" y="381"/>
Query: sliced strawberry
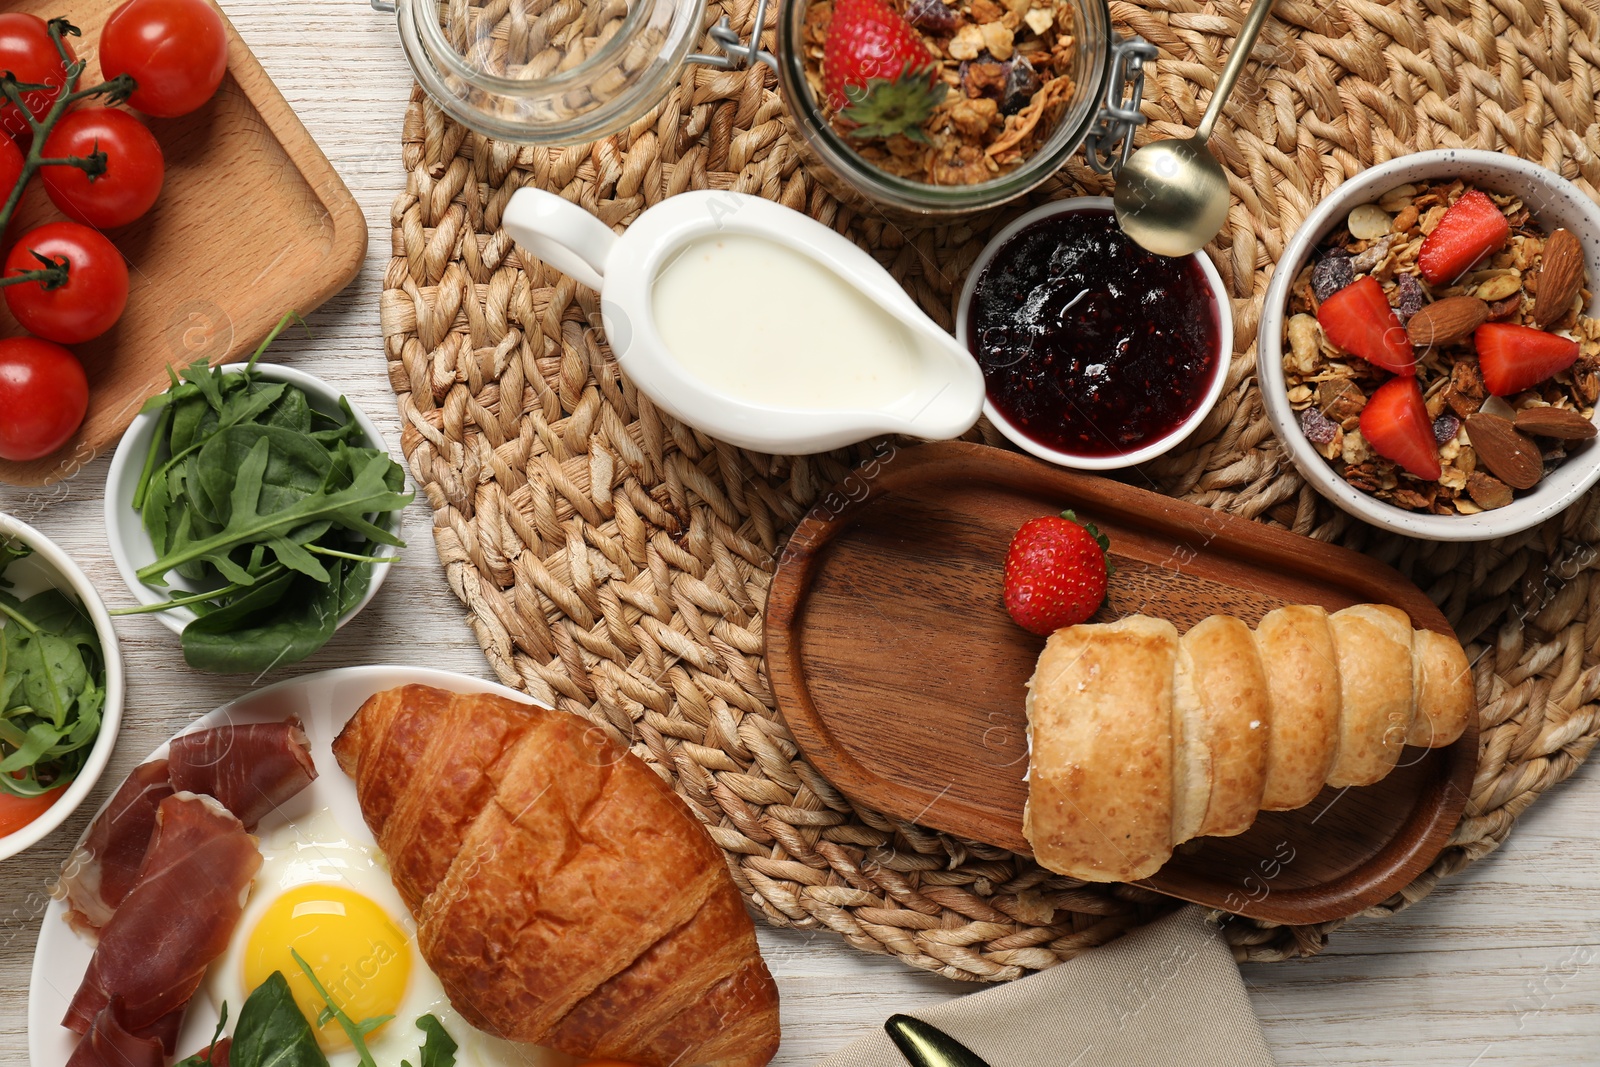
<point x="1359" y="320"/>
<point x="1470" y="230"/>
<point x="1514" y="358"/>
<point x="1395" y="423"/>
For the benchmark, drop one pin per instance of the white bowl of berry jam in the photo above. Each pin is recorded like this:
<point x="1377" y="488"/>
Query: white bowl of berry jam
<point x="1096" y="354"/>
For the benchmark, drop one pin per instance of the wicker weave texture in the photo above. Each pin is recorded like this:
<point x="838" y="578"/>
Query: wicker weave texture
<point x="615" y="562"/>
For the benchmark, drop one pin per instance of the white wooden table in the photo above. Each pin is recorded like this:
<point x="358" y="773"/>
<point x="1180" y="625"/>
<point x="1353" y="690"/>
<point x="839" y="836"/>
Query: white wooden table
<point x="1499" y="966"/>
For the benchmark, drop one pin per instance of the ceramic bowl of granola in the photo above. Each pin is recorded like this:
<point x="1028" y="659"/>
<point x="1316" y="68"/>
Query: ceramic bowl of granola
<point x="946" y="105"/>
<point x="1429" y="351"/>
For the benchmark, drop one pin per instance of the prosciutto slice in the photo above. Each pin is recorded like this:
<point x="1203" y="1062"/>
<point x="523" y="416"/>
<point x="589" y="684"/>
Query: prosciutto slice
<point x="179" y="916"/>
<point x="250" y="770"/>
<point x="102" y="868"/>
<point x="110" y="1044"/>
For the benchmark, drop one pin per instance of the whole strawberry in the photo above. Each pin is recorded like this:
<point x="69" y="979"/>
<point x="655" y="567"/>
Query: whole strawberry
<point x="1056" y="573"/>
<point x="877" y="73"/>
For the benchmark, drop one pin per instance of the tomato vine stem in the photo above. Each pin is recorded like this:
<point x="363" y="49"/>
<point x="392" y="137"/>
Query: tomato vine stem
<point x="54" y="273"/>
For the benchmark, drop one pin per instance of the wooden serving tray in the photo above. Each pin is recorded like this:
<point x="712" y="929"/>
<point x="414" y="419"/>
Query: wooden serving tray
<point x="901" y="676"/>
<point x="253" y="221"/>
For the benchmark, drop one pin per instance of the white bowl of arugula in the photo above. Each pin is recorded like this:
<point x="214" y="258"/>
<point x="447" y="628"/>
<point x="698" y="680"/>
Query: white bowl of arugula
<point x="60" y="686"/>
<point x="254" y="511"/>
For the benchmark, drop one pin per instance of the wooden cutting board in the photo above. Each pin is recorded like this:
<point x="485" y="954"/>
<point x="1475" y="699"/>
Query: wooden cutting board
<point x="897" y="669"/>
<point x="253" y="221"/>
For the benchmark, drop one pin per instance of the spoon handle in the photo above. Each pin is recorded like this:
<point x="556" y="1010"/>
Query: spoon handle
<point x="1236" y="61"/>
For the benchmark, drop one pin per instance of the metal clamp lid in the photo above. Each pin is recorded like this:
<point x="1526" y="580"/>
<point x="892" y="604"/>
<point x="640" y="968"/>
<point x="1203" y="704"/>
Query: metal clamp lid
<point x="1110" y="143"/>
<point x="735" y="52"/>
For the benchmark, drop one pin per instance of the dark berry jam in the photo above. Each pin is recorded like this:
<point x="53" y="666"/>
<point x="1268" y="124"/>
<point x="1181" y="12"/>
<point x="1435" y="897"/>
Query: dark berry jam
<point x="1090" y="344"/>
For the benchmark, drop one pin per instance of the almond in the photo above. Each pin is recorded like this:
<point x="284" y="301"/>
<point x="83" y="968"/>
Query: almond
<point x="1510" y="456"/>
<point x="1563" y="424"/>
<point x="1446" y="321"/>
<point x="1560" y="278"/>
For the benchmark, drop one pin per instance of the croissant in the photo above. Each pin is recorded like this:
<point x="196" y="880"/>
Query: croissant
<point x="1142" y="739"/>
<point x="563" y="894"/>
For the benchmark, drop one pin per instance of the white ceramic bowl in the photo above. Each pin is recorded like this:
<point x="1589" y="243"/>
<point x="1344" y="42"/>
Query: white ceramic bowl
<point x="131" y="547"/>
<point x="1138" y="455"/>
<point x="1554" y="202"/>
<point x="49" y="566"/>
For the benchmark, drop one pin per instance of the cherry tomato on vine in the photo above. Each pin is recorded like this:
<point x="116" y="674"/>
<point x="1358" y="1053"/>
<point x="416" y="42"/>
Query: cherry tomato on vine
<point x="177" y="50"/>
<point x="10" y="167"/>
<point x="90" y="301"/>
<point x="27" y="51"/>
<point x="133" y="174"/>
<point x="17" y="812"/>
<point x="43" y="397"/>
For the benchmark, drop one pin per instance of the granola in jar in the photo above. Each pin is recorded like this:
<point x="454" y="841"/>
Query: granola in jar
<point x="941" y="93"/>
<point x="1436" y="350"/>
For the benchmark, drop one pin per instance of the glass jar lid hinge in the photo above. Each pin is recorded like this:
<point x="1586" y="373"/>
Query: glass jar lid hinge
<point x="734" y="51"/>
<point x="1111" y="141"/>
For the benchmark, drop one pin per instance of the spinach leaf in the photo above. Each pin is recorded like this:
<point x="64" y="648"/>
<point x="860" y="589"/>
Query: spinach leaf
<point x="296" y="467"/>
<point x="52" y="688"/>
<point x="251" y="636"/>
<point x="271" y="1032"/>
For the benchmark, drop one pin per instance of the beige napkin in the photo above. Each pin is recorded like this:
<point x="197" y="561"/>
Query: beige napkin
<point x="1166" y="995"/>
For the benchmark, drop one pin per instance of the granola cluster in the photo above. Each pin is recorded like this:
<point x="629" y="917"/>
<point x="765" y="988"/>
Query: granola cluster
<point x="1329" y="387"/>
<point x="1007" y="65"/>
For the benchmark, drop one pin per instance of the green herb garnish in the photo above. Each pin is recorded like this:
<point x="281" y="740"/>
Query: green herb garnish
<point x="274" y="512"/>
<point x="272" y="1032"/>
<point x="52" y="686"/>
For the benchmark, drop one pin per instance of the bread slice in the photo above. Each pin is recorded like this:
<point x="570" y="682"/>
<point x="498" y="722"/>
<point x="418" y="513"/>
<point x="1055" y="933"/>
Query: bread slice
<point x="1100" y="774"/>
<point x="1230" y="720"/>
<point x="1302" y="671"/>
<point x="1373" y="642"/>
<point x="1445" y="694"/>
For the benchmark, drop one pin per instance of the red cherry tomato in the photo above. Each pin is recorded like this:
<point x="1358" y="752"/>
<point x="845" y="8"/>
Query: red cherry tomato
<point x="27" y="51"/>
<point x="133" y="174"/>
<point x="43" y="397"/>
<point x="177" y="50"/>
<point x="91" y="300"/>
<point x="10" y="167"/>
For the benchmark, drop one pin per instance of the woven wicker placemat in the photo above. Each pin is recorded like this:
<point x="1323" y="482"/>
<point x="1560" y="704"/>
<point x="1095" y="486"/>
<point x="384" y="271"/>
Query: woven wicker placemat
<point x="615" y="562"/>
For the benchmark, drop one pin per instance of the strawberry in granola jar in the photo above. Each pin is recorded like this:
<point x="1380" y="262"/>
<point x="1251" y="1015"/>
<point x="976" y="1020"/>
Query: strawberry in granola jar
<point x="949" y="105"/>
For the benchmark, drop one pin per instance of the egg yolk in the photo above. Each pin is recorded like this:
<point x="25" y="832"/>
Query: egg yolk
<point x="359" y="955"/>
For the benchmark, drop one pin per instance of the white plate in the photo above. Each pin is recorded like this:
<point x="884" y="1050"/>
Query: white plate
<point x="324" y="702"/>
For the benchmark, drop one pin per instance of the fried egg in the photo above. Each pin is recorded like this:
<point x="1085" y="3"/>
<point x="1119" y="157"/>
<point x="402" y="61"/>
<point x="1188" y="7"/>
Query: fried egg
<point x="325" y="894"/>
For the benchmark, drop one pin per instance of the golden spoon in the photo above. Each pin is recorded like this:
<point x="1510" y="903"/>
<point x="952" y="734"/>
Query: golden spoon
<point x="1172" y="196"/>
<point x="925" y="1045"/>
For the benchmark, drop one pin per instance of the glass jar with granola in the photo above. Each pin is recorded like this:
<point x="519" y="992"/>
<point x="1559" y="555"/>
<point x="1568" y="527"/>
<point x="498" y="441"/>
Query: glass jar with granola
<point x="951" y="105"/>
<point x="1436" y="349"/>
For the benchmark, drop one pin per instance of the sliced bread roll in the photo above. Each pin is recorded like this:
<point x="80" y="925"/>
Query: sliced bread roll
<point x="1100" y="783"/>
<point x="1141" y="739"/>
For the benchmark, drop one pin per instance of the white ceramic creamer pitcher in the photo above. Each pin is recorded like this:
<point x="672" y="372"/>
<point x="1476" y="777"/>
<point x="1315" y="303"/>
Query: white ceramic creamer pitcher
<point x="757" y="324"/>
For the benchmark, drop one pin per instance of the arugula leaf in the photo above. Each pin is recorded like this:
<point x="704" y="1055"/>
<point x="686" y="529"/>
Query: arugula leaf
<point x="272" y="1032"/>
<point x="246" y="524"/>
<point x="438" y="1048"/>
<point x="10" y="552"/>
<point x="203" y="1057"/>
<point x="356" y="1032"/>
